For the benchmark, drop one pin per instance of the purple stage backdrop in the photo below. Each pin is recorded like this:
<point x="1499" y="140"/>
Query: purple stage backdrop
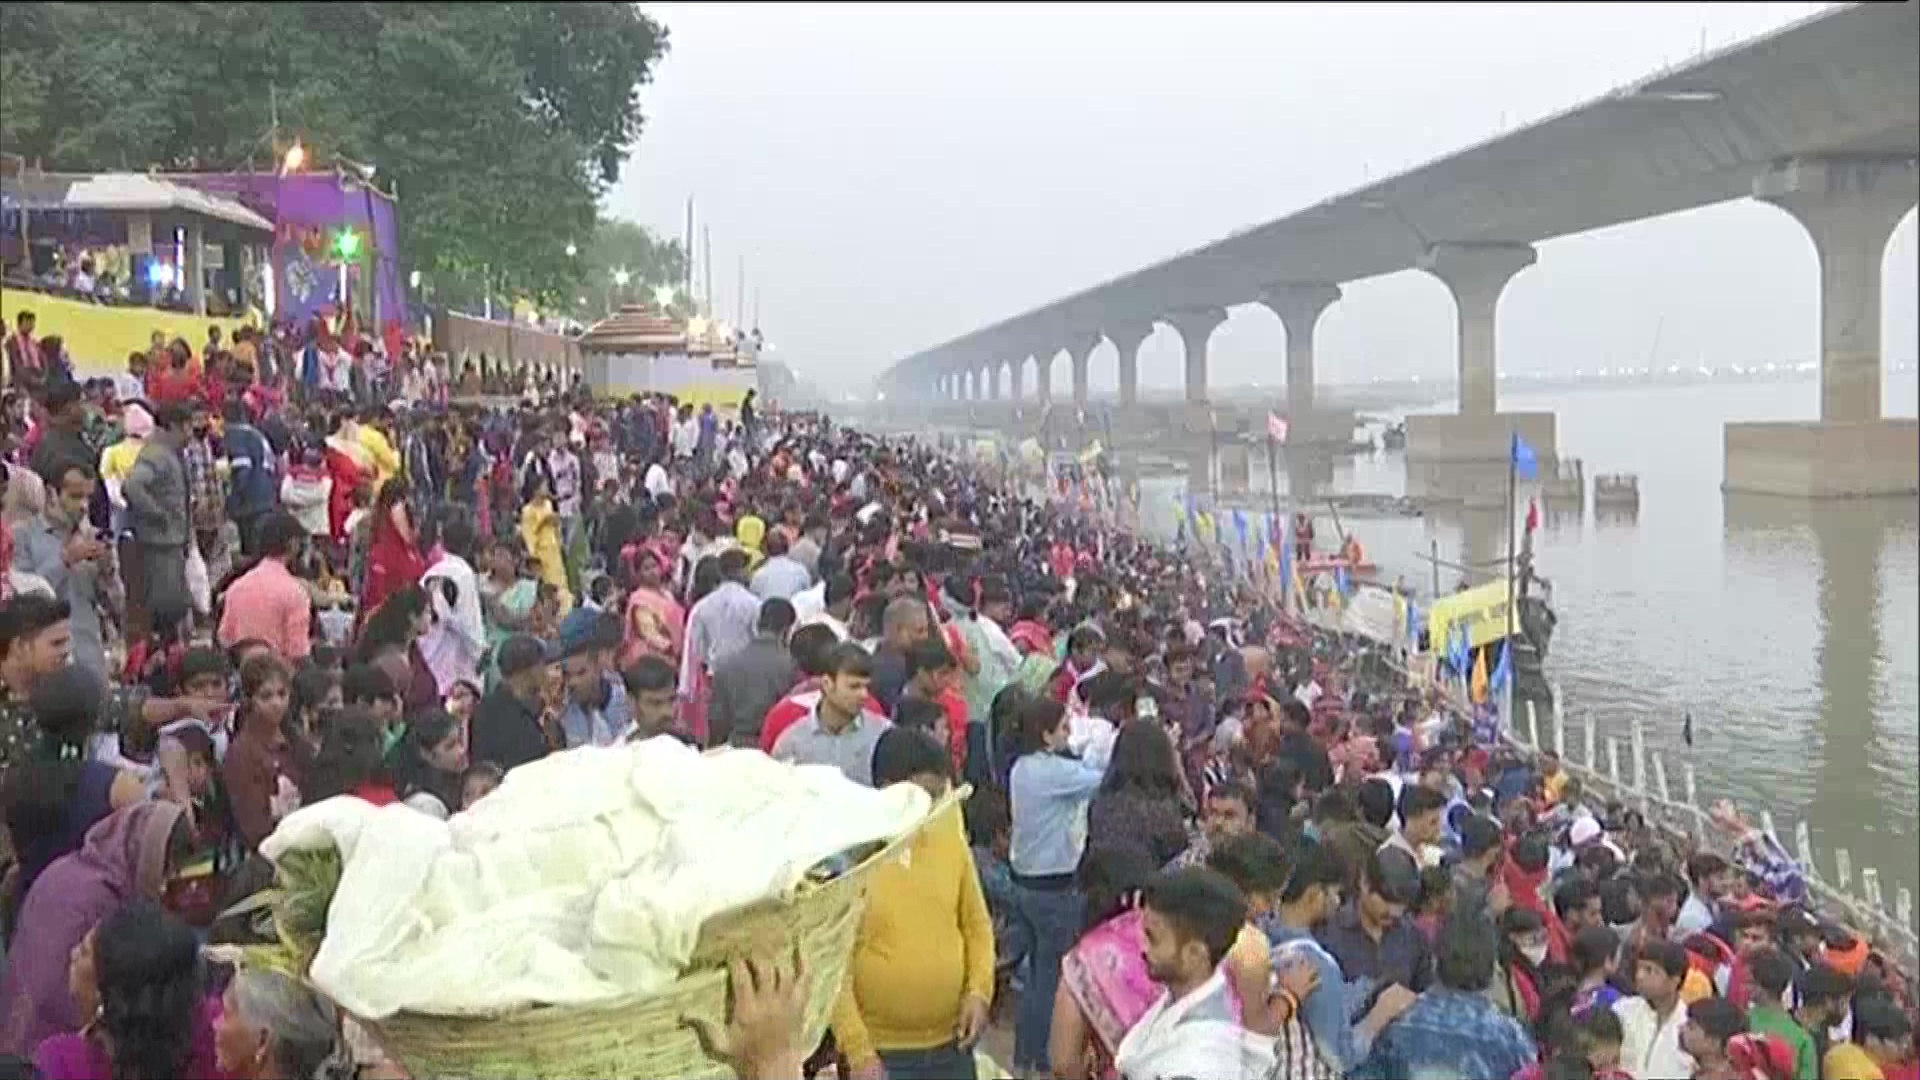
<point x="308" y="211"/>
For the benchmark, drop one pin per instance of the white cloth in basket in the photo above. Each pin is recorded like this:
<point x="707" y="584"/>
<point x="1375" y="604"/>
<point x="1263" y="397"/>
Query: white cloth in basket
<point x="585" y="877"/>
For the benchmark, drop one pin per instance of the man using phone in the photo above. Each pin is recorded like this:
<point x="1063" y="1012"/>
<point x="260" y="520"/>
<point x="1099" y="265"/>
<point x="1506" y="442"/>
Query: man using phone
<point x="61" y="546"/>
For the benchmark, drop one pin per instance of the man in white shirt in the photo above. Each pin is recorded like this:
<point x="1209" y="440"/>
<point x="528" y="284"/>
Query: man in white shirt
<point x="456" y="641"/>
<point x="657" y="483"/>
<point x="829" y="603"/>
<point x="1191" y="920"/>
<point x="686" y="433"/>
<point x="1651" y="1021"/>
<point x="1111" y="701"/>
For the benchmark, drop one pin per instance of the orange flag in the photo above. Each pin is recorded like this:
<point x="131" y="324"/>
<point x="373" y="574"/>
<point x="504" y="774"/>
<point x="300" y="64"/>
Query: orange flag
<point x="1477" y="687"/>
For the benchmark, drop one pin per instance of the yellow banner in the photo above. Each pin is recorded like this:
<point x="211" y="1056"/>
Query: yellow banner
<point x="98" y="338"/>
<point x="1482" y="609"/>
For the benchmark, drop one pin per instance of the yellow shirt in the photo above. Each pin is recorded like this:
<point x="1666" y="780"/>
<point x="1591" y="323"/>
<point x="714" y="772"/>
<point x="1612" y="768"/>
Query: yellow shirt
<point x="386" y="461"/>
<point x="1555" y="784"/>
<point x="1695" y="986"/>
<point x="116" y="461"/>
<point x="926" y="942"/>
<point x="540" y="531"/>
<point x="1846" y="1061"/>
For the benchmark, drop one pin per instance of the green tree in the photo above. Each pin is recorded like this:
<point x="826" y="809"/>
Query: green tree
<point x="499" y="125"/>
<point x="616" y="245"/>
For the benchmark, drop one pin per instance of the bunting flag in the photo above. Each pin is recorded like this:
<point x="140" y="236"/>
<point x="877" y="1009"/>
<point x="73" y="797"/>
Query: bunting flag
<point x="1503" y="670"/>
<point x="1342" y="582"/>
<point x="1457" y="648"/>
<point x="1240" y="528"/>
<point x="1477" y="687"/>
<point x="1533" y="515"/>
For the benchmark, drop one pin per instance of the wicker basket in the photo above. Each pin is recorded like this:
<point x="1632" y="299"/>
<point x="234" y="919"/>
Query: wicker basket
<point x="648" y="1038"/>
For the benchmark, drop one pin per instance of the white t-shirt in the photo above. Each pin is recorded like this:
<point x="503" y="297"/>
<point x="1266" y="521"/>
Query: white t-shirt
<point x="657" y="483"/>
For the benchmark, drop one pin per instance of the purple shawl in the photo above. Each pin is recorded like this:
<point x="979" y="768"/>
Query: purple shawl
<point x="123" y="858"/>
<point x="76" y="1057"/>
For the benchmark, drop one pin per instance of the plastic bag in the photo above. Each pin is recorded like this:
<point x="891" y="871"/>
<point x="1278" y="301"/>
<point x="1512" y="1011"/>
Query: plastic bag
<point x="199" y="586"/>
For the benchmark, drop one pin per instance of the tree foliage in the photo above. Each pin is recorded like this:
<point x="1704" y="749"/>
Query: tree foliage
<point x="499" y="125"/>
<point x="617" y="245"/>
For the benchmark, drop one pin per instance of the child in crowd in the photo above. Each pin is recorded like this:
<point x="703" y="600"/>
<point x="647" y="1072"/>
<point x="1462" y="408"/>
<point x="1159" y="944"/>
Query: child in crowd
<point x="479" y="781"/>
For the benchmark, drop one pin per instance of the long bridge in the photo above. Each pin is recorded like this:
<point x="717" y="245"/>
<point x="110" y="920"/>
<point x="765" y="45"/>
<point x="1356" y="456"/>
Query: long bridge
<point x="1820" y="119"/>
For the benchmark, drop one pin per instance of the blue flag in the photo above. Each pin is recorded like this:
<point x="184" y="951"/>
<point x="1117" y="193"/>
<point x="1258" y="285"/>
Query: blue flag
<point x="1240" y="526"/>
<point x="1502" y="671"/>
<point x="1459" y="652"/>
<point x="1342" y="581"/>
<point x="1525" y="464"/>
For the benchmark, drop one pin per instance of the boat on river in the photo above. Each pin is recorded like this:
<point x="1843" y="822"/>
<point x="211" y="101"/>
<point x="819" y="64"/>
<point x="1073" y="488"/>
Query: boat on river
<point x="1616" y="491"/>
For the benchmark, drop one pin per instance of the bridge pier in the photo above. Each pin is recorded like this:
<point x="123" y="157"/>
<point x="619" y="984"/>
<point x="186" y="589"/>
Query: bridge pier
<point x="1195" y="326"/>
<point x="1080" y="353"/>
<point x="1126" y="338"/>
<point x="1298" y="308"/>
<point x="1477" y="275"/>
<point x="1043" y="376"/>
<point x="1849" y="207"/>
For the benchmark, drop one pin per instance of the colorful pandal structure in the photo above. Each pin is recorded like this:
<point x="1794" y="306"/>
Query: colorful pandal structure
<point x="638" y="350"/>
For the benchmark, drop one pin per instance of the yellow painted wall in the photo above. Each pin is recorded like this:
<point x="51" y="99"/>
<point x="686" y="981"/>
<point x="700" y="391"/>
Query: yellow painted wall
<point x="98" y="337"/>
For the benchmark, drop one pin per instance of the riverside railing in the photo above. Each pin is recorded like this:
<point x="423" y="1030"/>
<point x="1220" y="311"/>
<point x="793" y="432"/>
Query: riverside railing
<point x="1642" y="780"/>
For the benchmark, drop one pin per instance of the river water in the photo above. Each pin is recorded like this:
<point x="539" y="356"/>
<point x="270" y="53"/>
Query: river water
<point x="1789" y="630"/>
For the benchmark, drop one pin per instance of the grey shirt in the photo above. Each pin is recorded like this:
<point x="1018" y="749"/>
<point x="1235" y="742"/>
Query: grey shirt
<point x="851" y="751"/>
<point x="37" y="549"/>
<point x="156" y="494"/>
<point x="747" y="684"/>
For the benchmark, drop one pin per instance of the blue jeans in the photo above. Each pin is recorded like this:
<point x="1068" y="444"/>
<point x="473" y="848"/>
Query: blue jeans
<point x="1053" y="924"/>
<point x="947" y="1062"/>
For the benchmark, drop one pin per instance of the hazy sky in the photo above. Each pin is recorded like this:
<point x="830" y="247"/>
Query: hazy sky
<point x="896" y="175"/>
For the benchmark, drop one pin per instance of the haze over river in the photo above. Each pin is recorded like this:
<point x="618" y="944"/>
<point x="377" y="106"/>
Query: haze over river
<point x="1790" y="630"/>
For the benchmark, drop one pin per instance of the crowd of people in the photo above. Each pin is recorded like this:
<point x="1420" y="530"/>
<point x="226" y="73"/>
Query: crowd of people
<point x="1202" y="840"/>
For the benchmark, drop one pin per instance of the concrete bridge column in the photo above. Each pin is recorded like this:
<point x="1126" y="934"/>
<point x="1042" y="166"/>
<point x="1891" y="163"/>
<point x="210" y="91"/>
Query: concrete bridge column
<point x="1126" y="338"/>
<point x="1080" y="353"/>
<point x="1298" y="308"/>
<point x="1043" y="376"/>
<point x="1195" y="326"/>
<point x="1017" y="378"/>
<point x="990" y="377"/>
<point x="1849" y="206"/>
<point x="1476" y="275"/>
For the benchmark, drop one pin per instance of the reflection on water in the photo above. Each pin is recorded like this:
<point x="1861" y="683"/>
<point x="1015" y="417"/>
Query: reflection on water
<point x="1788" y="630"/>
<point x="1851" y="764"/>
